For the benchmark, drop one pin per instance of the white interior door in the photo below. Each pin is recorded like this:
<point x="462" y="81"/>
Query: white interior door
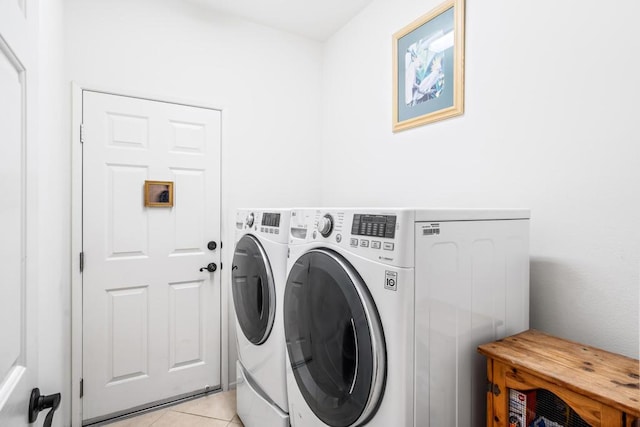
<point x="151" y="318"/>
<point x="18" y="311"/>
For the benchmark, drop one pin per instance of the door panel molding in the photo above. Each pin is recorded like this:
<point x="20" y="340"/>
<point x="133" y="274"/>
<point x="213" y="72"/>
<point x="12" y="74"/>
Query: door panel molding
<point x="12" y="219"/>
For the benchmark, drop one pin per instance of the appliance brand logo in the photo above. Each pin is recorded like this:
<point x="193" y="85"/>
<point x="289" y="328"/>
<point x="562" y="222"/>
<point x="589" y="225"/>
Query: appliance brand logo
<point x="391" y="280"/>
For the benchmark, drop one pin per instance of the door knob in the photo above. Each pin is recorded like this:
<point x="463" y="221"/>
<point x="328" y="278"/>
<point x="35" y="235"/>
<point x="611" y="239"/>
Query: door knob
<point x="211" y="267"/>
<point x="39" y="403"/>
<point x="212" y="245"/>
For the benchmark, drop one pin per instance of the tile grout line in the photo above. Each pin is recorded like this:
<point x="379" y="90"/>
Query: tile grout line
<point x="229" y="422"/>
<point x="201" y="416"/>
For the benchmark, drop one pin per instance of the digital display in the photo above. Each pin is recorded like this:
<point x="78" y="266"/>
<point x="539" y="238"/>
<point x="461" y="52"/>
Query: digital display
<point x="374" y="225"/>
<point x="271" y="219"/>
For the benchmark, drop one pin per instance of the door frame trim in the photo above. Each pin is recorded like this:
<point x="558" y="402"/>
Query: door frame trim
<point x="77" y="90"/>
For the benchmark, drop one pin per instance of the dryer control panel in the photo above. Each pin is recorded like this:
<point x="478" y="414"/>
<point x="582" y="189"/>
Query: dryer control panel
<point x="272" y="224"/>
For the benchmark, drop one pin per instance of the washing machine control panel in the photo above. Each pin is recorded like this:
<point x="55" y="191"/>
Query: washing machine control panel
<point x="374" y="225"/>
<point x="383" y="235"/>
<point x="270" y="219"/>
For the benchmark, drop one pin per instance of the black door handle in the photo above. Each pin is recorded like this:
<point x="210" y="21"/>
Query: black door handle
<point x="39" y="403"/>
<point x="212" y="245"/>
<point x="211" y="267"/>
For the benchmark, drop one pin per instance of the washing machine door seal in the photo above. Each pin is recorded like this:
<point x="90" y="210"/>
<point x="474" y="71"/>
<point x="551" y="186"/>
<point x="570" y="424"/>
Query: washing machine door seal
<point x="334" y="339"/>
<point x="253" y="289"/>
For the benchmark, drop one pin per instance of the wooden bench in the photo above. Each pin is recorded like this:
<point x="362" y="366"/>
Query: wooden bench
<point x="603" y="388"/>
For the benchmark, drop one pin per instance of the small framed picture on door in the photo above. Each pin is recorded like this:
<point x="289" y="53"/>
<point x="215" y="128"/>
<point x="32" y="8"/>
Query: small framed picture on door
<point x="158" y="194"/>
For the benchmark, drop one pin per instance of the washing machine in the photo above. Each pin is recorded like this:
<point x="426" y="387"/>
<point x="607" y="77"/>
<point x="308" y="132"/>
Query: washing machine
<point x="384" y="309"/>
<point x="257" y="284"/>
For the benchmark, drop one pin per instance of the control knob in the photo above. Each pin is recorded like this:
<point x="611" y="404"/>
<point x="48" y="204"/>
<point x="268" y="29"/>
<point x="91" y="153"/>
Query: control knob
<point x="325" y="225"/>
<point x="249" y="220"/>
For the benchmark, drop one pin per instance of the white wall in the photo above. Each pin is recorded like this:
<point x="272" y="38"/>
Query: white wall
<point x="54" y="225"/>
<point x="550" y="123"/>
<point x="267" y="82"/>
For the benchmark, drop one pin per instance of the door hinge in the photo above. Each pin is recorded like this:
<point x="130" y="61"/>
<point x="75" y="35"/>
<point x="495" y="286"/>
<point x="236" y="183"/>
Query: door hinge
<point x="81" y="388"/>
<point x="81" y="262"/>
<point x="493" y="388"/>
<point x="220" y="266"/>
<point x="82" y="133"/>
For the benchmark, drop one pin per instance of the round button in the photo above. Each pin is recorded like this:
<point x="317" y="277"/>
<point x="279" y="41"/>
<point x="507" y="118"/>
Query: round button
<point x="338" y="237"/>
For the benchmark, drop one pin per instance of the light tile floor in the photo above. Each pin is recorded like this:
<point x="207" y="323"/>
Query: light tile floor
<point x="214" y="410"/>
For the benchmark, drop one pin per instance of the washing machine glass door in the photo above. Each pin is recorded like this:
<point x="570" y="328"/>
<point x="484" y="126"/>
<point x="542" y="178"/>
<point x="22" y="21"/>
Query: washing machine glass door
<point x="253" y="289"/>
<point x="334" y="339"/>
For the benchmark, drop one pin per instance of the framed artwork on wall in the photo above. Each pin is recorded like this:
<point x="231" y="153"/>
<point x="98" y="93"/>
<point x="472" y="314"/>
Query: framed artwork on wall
<point x="428" y="67"/>
<point x="158" y="194"/>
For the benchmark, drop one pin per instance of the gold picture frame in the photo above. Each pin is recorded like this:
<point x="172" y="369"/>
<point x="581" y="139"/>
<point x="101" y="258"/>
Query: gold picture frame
<point x="428" y="67"/>
<point x="158" y="194"/>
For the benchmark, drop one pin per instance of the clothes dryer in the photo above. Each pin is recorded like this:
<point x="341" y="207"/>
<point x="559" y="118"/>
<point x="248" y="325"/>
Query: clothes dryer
<point x="257" y="281"/>
<point x="384" y="308"/>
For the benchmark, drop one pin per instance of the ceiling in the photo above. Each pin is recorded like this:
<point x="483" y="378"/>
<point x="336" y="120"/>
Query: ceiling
<point x="316" y="20"/>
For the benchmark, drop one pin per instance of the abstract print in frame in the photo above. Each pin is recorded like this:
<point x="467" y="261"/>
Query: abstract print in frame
<point x="428" y="67"/>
